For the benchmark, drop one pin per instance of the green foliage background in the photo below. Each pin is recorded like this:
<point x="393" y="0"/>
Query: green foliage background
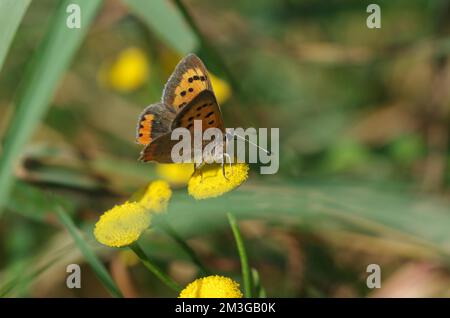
<point x="364" y="144"/>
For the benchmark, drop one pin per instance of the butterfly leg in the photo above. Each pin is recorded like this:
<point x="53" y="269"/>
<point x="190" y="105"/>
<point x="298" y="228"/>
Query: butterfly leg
<point x="198" y="168"/>
<point x="225" y="155"/>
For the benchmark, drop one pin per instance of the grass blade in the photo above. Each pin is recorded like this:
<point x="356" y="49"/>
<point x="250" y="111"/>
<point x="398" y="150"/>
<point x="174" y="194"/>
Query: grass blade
<point x="11" y="13"/>
<point x="167" y="22"/>
<point x="41" y="79"/>
<point x="243" y="256"/>
<point x="259" y="290"/>
<point x="90" y="256"/>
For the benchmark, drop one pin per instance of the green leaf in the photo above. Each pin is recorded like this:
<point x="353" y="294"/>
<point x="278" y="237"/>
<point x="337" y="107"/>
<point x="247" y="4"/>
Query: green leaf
<point x="11" y="13"/>
<point x="382" y="210"/>
<point x="167" y="22"/>
<point x="47" y="66"/>
<point x="90" y="256"/>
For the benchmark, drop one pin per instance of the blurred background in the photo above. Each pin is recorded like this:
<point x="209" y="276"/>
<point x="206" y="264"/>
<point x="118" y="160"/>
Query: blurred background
<point x="364" y="120"/>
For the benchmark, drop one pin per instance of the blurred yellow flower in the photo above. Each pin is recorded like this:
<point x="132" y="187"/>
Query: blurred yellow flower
<point x="128" y="257"/>
<point x="129" y="71"/>
<point x="122" y="225"/>
<point x="209" y="181"/>
<point x="212" y="287"/>
<point x="156" y="196"/>
<point x="177" y="174"/>
<point x="221" y="88"/>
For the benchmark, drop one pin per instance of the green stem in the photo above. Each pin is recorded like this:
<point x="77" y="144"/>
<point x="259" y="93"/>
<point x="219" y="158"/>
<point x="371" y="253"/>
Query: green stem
<point x="188" y="250"/>
<point x="243" y="256"/>
<point x="166" y="279"/>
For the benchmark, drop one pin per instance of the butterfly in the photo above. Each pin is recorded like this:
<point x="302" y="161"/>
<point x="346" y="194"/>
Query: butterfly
<point x="187" y="96"/>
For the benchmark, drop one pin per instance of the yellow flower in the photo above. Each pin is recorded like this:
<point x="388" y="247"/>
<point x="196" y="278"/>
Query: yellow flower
<point x="212" y="287"/>
<point x="177" y="174"/>
<point x="129" y="71"/>
<point x="222" y="89"/>
<point x="209" y="182"/>
<point x="122" y="225"/>
<point x="156" y="196"/>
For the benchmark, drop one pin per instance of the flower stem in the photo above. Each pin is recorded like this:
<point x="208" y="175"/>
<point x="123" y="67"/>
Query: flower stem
<point x="243" y="256"/>
<point x="166" y="279"/>
<point x="170" y="231"/>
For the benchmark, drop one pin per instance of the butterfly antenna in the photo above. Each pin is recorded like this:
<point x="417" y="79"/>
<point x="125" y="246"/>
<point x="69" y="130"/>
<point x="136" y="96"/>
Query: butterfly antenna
<point x="250" y="142"/>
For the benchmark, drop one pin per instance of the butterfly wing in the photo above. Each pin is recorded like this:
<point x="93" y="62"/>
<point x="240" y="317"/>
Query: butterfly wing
<point x="187" y="95"/>
<point x="159" y="150"/>
<point x="203" y="107"/>
<point x="154" y="122"/>
<point x="189" y="78"/>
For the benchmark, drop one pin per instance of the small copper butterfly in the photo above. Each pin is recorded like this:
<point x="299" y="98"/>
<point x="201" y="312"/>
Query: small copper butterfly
<point x="187" y="96"/>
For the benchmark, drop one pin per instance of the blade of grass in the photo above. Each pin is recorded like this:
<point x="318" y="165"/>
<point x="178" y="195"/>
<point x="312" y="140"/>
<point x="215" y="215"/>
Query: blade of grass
<point x="28" y="277"/>
<point x="259" y="290"/>
<point x="11" y="13"/>
<point x="243" y="256"/>
<point x="314" y="205"/>
<point x="167" y="22"/>
<point x="47" y="66"/>
<point x="163" y="277"/>
<point x="90" y="256"/>
<point x="170" y="231"/>
<point x="33" y="203"/>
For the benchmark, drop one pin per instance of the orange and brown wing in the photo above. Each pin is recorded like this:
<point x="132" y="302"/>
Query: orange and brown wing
<point x="189" y="78"/>
<point x="203" y="107"/>
<point x="154" y="122"/>
<point x="159" y="150"/>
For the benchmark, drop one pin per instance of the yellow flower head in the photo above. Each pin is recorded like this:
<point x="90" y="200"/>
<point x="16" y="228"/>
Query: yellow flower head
<point x="212" y="287"/>
<point x="177" y="174"/>
<point x="222" y="89"/>
<point x="156" y="196"/>
<point x="122" y="225"/>
<point x="129" y="71"/>
<point x="209" y="181"/>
